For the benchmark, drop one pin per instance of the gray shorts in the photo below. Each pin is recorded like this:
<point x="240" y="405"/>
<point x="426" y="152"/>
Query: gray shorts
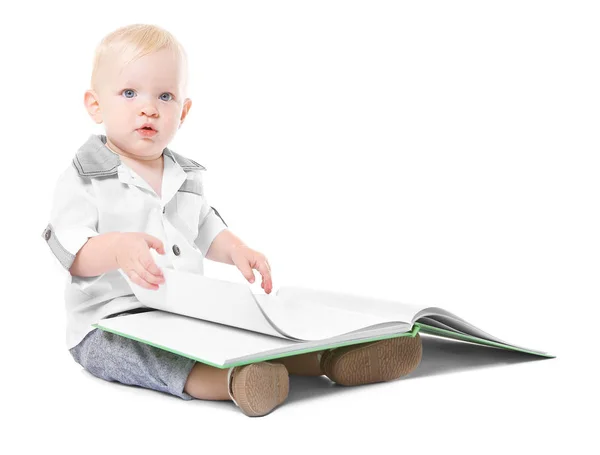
<point x="116" y="358"/>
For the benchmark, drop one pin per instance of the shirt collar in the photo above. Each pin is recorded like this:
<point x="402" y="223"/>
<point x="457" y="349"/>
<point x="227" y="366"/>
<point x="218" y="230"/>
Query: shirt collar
<point x="95" y="159"/>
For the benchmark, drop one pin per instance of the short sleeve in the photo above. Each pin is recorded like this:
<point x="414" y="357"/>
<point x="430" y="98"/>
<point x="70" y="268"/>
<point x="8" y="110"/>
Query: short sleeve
<point x="210" y="224"/>
<point x="73" y="218"/>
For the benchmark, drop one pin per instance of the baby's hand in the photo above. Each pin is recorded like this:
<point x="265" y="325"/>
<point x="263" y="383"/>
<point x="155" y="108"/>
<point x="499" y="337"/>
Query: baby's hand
<point x="247" y="259"/>
<point x="133" y="256"/>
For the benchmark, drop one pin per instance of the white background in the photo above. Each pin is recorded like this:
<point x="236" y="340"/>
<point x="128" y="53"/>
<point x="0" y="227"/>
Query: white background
<point x="441" y="153"/>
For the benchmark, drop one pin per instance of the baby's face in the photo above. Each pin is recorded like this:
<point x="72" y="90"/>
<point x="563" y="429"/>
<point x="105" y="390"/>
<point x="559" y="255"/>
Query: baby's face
<point x="148" y="90"/>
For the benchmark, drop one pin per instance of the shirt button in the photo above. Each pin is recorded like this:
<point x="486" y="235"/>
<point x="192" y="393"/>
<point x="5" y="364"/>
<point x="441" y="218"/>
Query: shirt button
<point x="176" y="250"/>
<point x="47" y="234"/>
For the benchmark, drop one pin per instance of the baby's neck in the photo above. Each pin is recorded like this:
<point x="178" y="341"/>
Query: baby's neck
<point x="150" y="171"/>
<point x="153" y="164"/>
<point x="148" y="165"/>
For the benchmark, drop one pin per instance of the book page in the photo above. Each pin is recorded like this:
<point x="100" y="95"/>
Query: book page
<point x="295" y="313"/>
<point x="448" y="321"/>
<point x="194" y="295"/>
<point x="307" y="320"/>
<point x="201" y="340"/>
<point x="384" y="309"/>
<point x="301" y="317"/>
<point x="217" y="344"/>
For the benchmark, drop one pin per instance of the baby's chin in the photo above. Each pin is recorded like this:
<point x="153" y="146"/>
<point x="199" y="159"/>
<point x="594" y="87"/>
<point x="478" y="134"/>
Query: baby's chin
<point x="138" y="147"/>
<point x="146" y="149"/>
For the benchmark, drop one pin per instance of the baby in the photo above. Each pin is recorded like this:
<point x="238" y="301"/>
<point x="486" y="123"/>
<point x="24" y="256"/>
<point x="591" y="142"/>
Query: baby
<point x="125" y="193"/>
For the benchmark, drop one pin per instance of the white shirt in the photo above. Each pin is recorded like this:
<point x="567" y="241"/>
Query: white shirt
<point x="98" y="194"/>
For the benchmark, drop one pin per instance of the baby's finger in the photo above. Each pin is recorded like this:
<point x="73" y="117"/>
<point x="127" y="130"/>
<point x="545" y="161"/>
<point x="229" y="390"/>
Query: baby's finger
<point x="135" y="277"/>
<point x="246" y="271"/>
<point x="155" y="243"/>
<point x="149" y="264"/>
<point x="144" y="274"/>
<point x="264" y="270"/>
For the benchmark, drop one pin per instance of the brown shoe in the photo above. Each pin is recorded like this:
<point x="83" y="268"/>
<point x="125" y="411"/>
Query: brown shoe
<point x="376" y="361"/>
<point x="258" y="388"/>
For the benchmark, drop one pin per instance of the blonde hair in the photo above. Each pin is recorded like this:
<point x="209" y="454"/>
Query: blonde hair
<point x="135" y="41"/>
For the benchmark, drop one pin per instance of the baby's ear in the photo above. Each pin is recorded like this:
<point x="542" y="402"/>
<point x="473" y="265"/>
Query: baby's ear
<point x="90" y="100"/>
<point x="187" y="104"/>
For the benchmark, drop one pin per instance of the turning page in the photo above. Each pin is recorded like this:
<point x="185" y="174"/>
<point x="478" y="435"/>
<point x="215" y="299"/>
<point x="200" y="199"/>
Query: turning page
<point x="234" y="304"/>
<point x="199" y="297"/>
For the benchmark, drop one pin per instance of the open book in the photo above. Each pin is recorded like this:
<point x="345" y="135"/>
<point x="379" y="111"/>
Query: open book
<point x="224" y="324"/>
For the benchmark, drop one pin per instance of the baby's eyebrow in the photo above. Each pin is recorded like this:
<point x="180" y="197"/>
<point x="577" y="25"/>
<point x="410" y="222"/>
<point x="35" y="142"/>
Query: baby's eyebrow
<point x="129" y="84"/>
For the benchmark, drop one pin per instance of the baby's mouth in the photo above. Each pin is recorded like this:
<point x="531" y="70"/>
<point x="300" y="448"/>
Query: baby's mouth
<point x="146" y="131"/>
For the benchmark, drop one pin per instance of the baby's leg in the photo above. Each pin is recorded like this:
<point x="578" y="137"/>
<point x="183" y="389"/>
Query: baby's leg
<point x="118" y="359"/>
<point x="302" y="364"/>
<point x="210" y="383"/>
<point x="207" y="383"/>
<point x="256" y="388"/>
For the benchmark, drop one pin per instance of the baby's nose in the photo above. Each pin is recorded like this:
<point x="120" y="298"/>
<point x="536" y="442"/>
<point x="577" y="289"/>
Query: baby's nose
<point x="149" y="110"/>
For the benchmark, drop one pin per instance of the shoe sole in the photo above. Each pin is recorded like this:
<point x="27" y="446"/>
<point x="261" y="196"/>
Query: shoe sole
<point x="260" y="387"/>
<point x="377" y="361"/>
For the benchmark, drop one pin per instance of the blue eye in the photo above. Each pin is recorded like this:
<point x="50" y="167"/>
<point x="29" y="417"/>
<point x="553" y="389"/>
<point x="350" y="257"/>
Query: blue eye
<point x="170" y="96"/>
<point x="126" y="91"/>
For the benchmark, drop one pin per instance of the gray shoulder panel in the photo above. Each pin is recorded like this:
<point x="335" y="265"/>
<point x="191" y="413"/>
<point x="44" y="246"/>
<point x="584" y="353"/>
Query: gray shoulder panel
<point x="94" y="159"/>
<point x="186" y="163"/>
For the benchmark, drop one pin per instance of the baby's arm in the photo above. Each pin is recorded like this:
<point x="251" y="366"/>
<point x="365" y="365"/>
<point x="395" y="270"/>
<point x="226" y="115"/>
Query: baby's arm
<point x="222" y="246"/>
<point x="97" y="256"/>
<point x="229" y="249"/>
<point x="217" y="243"/>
